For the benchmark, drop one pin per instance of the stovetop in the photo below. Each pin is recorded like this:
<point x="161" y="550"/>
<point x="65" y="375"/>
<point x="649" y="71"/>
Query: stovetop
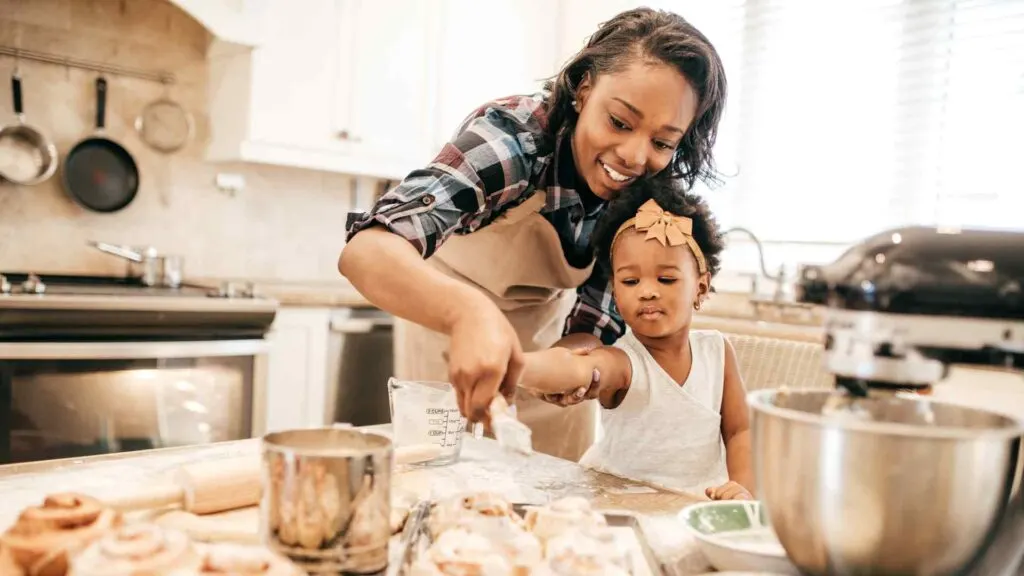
<point x="56" y="306"/>
<point x="13" y="283"/>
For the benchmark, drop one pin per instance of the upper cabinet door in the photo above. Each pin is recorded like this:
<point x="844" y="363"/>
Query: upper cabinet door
<point x="489" y="50"/>
<point x="294" y="75"/>
<point x="386" y="68"/>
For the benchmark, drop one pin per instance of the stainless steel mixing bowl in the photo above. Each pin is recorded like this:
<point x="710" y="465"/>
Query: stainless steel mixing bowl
<point x="887" y="485"/>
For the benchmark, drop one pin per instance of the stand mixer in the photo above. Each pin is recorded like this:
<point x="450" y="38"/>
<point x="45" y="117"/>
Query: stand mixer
<point x="902" y="306"/>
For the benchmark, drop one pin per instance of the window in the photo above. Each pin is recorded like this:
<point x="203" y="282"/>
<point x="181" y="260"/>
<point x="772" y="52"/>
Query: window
<point x="848" y="117"/>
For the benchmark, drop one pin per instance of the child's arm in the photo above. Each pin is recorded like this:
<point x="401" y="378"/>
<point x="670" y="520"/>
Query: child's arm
<point x="735" y="432"/>
<point x="560" y="370"/>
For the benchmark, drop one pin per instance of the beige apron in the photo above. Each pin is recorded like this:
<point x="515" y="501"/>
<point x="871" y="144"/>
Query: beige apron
<point x="518" y="261"/>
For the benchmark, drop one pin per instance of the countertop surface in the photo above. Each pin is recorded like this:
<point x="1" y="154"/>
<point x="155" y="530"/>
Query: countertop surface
<point x="300" y="293"/>
<point x="805" y="322"/>
<point x="483" y="466"/>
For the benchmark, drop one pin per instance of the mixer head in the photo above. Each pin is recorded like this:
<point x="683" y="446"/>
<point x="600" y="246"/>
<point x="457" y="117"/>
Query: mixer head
<point x="906" y="303"/>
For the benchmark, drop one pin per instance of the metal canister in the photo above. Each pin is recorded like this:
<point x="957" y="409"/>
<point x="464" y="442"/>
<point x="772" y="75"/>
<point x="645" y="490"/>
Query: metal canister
<point x="326" y="500"/>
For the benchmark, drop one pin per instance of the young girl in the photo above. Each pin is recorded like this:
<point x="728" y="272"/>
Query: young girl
<point x="675" y="412"/>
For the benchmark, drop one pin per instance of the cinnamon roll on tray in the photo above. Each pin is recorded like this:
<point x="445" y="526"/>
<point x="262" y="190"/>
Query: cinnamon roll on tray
<point x="72" y="534"/>
<point x="482" y="534"/>
<point x="46" y="535"/>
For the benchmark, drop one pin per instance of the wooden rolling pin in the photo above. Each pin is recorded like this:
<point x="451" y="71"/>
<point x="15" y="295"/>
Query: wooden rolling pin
<point x="226" y="484"/>
<point x="200" y="488"/>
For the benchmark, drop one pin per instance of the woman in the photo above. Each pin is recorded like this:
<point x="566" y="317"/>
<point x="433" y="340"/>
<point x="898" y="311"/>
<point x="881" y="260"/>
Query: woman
<point x="486" y="251"/>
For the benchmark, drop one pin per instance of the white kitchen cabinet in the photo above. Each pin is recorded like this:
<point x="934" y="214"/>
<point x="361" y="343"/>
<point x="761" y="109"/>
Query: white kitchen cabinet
<point x="488" y="50"/>
<point x="236" y="21"/>
<point x="297" y="368"/>
<point x="384" y="104"/>
<point x="376" y="87"/>
<point x="338" y="85"/>
<point x="293" y="80"/>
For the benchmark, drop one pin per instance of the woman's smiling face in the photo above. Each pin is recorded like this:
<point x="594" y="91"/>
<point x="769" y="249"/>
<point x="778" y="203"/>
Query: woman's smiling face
<point x="630" y="124"/>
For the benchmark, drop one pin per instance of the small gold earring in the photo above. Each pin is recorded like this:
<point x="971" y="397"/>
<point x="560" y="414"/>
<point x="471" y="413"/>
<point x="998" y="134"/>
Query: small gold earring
<point x="696" y="305"/>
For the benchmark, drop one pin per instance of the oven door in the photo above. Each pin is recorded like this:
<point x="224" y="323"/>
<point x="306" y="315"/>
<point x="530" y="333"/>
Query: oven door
<point x="73" y="399"/>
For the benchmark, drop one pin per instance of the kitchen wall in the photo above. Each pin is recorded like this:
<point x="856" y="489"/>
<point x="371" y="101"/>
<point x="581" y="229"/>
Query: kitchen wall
<point x="286" y="224"/>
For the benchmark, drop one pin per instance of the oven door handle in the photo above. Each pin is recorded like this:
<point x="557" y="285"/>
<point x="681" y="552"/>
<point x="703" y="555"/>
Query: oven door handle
<point x="129" y="350"/>
<point x="359" y="325"/>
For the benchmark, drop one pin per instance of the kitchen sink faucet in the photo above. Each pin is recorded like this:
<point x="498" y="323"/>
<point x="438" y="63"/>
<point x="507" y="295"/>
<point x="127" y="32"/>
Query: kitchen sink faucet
<point x="779" y="278"/>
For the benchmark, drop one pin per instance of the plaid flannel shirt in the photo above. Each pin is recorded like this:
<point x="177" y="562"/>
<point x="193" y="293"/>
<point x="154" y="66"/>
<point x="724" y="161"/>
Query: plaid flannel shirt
<point x="499" y="156"/>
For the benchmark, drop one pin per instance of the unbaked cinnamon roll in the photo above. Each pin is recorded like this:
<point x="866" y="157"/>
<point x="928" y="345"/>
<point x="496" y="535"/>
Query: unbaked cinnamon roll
<point x="586" y="551"/>
<point x="467" y="511"/>
<point x="458" y="552"/>
<point x="43" y="537"/>
<point x="238" y="560"/>
<point x="138" y="549"/>
<point x="521" y="548"/>
<point x="561" y="516"/>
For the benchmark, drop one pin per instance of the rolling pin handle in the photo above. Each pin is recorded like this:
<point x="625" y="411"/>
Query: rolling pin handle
<point x="150" y="498"/>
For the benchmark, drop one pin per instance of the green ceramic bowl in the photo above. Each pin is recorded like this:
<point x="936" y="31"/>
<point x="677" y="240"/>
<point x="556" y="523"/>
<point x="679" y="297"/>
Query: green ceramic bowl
<point x="734" y="535"/>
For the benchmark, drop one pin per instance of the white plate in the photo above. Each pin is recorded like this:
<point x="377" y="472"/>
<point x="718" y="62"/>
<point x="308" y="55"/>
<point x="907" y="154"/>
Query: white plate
<point x="734" y="536"/>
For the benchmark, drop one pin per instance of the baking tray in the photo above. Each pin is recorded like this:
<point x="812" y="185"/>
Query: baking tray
<point x="414" y="539"/>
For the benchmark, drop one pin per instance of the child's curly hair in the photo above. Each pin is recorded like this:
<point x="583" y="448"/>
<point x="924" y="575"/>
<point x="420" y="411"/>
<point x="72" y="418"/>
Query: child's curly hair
<point x="671" y="197"/>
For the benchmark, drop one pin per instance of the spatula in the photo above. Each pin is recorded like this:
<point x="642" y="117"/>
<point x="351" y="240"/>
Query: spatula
<point x="510" y="433"/>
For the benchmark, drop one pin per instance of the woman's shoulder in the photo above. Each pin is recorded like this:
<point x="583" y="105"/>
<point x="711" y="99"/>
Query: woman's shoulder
<point x="523" y="117"/>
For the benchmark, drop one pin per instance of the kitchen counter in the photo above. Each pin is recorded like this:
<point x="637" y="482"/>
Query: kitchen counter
<point x="733" y="306"/>
<point x="483" y="466"/>
<point x="312" y="294"/>
<point x="318" y="295"/>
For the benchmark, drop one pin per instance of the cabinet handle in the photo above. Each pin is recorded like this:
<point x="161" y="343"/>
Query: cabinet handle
<point x="359" y="325"/>
<point x="345" y="135"/>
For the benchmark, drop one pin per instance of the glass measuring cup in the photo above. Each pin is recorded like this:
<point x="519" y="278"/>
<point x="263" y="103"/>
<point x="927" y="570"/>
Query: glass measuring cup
<point x="426" y="413"/>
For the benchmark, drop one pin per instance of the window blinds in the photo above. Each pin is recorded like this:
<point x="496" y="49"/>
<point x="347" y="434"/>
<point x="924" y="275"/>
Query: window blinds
<point x="849" y="116"/>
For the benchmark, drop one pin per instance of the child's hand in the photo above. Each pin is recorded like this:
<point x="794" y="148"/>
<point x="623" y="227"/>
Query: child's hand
<point x="729" y="491"/>
<point x="557" y="373"/>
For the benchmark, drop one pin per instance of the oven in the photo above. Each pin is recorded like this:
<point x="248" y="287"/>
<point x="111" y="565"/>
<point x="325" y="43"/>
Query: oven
<point x="97" y="366"/>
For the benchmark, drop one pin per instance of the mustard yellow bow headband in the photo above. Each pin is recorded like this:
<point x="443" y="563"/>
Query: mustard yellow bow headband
<point x="665" y="227"/>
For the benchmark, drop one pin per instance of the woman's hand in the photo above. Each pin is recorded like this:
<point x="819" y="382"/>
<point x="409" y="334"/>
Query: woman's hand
<point x="729" y="491"/>
<point x="484" y="358"/>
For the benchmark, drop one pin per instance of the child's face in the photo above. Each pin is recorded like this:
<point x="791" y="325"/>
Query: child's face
<point x="655" y="286"/>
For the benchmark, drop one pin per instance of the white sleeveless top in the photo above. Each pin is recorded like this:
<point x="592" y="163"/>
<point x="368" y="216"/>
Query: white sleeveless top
<point x="664" y="433"/>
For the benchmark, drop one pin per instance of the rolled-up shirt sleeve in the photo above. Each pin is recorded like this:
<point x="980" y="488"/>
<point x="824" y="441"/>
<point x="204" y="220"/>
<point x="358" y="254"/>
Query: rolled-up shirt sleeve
<point x="485" y="169"/>
<point x="595" y="311"/>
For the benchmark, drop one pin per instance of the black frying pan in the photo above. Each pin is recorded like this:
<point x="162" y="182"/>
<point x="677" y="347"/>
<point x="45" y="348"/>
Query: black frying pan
<point x="99" y="173"/>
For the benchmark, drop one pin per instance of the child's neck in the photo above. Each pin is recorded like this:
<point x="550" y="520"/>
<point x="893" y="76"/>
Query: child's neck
<point x="672" y="353"/>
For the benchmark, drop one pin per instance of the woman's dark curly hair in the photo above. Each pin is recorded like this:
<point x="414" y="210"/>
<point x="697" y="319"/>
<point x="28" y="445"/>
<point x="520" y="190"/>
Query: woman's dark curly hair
<point x="667" y="194"/>
<point x="661" y="36"/>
